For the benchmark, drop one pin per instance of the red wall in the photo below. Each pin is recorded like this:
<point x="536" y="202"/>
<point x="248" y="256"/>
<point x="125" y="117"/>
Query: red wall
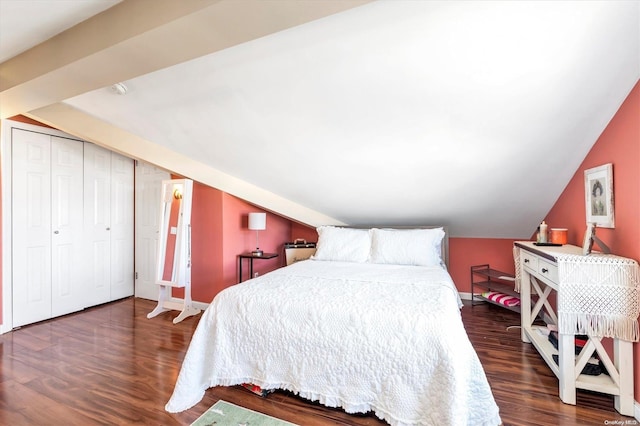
<point x="206" y="243"/>
<point x="220" y="234"/>
<point x="303" y="231"/>
<point x="619" y="144"/>
<point x="237" y="238"/>
<point x="466" y="252"/>
<point x="28" y="120"/>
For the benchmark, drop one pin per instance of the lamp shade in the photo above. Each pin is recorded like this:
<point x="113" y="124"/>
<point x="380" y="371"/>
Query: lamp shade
<point x="257" y="221"/>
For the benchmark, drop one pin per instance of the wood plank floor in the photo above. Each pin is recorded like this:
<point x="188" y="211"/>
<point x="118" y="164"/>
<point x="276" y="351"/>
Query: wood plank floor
<point x="112" y="365"/>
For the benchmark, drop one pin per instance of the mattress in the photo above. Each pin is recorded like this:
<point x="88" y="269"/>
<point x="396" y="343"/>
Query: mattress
<point x="364" y="337"/>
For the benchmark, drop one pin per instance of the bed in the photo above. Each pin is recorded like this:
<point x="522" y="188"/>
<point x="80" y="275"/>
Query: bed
<point x="370" y="323"/>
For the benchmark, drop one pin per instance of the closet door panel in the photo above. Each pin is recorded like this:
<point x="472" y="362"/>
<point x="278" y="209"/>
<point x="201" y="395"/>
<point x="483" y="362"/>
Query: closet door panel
<point x="109" y="223"/>
<point x="31" y="245"/>
<point x="67" y="286"/>
<point x="122" y="261"/>
<point x="97" y="187"/>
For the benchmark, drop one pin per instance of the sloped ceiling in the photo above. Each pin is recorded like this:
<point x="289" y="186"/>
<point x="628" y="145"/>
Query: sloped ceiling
<point x="469" y="114"/>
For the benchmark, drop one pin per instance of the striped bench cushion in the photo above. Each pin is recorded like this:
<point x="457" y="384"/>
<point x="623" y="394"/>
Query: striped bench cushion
<point x="501" y="298"/>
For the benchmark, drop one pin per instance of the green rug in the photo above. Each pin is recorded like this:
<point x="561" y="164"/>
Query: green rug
<point x="223" y="413"/>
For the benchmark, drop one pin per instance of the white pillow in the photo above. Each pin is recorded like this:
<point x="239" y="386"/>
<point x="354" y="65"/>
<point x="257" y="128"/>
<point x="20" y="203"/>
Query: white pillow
<point x="342" y="244"/>
<point x="421" y="247"/>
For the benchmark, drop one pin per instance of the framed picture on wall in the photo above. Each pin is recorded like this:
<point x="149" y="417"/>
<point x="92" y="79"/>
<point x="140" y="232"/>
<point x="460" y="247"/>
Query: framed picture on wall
<point x="598" y="183"/>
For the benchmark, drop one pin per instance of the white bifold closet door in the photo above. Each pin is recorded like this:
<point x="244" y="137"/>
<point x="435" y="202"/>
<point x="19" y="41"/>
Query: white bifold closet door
<point x="47" y="242"/>
<point x="72" y="226"/>
<point x="108" y="218"/>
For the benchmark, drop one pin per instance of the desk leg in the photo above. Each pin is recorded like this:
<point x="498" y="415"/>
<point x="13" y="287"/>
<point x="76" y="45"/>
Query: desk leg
<point x="239" y="269"/>
<point x="250" y="268"/>
<point x="525" y="305"/>
<point x="567" y="367"/>
<point x="623" y="360"/>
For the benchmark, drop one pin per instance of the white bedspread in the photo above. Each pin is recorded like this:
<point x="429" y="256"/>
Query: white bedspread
<point x="363" y="337"/>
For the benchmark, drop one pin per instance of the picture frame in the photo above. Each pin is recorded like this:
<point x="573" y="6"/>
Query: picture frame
<point x="587" y="244"/>
<point x="590" y="238"/>
<point x="599" y="204"/>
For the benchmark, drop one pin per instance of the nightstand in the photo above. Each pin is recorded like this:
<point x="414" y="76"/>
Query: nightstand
<point x="251" y="257"/>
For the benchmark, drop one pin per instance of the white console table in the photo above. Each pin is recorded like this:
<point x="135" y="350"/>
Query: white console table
<point x="538" y="272"/>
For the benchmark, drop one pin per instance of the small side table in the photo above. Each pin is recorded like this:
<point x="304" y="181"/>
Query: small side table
<point x="250" y="256"/>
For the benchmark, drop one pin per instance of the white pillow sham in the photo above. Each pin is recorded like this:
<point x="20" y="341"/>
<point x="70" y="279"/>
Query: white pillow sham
<point x="420" y="247"/>
<point x="342" y="244"/>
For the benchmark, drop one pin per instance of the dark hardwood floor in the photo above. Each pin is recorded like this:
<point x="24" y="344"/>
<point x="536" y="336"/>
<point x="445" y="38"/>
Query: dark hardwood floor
<point x="112" y="365"/>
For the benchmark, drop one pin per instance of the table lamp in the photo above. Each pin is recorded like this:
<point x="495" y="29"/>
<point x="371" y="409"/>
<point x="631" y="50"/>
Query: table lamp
<point x="257" y="222"/>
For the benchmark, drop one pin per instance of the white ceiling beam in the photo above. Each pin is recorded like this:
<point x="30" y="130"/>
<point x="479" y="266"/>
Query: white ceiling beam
<point x="134" y="38"/>
<point x="73" y="121"/>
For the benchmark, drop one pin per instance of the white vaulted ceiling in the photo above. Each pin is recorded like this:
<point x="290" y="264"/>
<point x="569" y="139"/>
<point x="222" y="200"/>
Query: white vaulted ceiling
<point x="469" y="114"/>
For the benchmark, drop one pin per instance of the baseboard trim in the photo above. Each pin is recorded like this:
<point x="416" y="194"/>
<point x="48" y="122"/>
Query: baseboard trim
<point x="465" y="296"/>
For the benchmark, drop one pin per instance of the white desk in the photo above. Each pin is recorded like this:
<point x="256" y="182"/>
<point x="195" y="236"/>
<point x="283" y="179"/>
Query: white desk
<point x="539" y="276"/>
